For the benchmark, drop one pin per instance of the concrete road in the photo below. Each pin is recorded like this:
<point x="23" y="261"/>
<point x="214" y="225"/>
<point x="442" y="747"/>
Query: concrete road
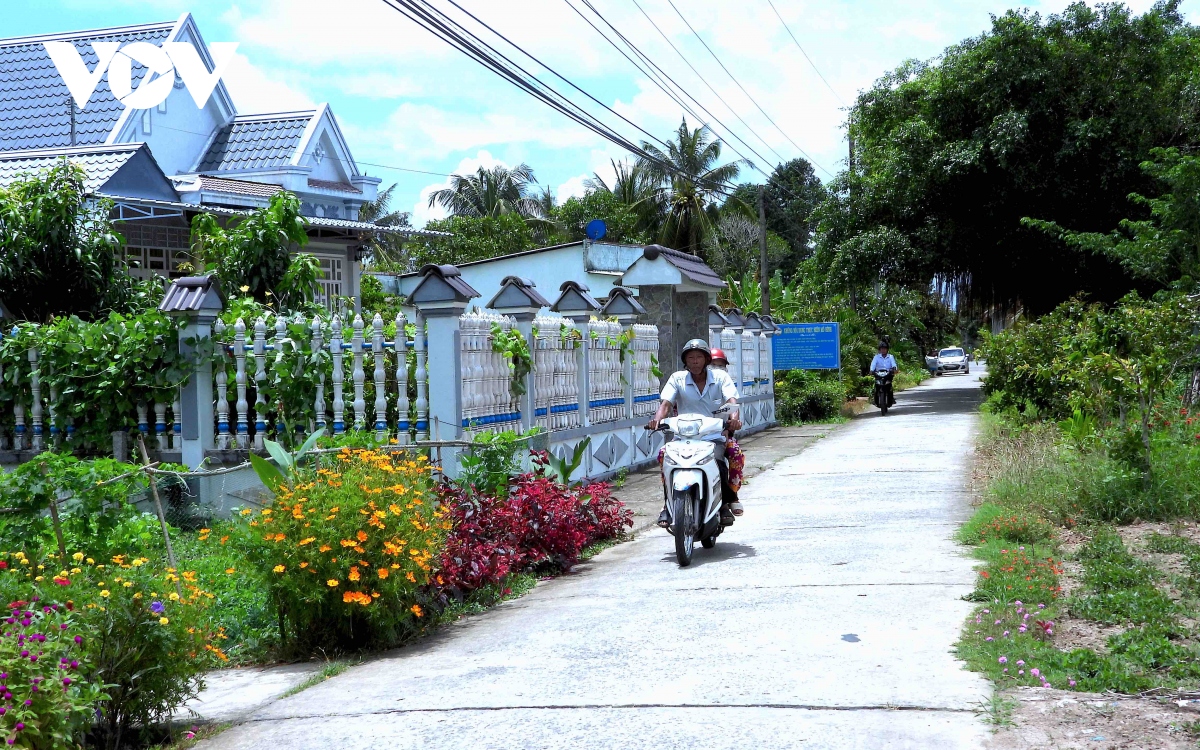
<point x="823" y="619"/>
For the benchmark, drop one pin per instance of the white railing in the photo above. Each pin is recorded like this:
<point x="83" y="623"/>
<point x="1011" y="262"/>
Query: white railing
<point x="488" y="404"/>
<point x="555" y="373"/>
<point x="644" y="349"/>
<point x="606" y="402"/>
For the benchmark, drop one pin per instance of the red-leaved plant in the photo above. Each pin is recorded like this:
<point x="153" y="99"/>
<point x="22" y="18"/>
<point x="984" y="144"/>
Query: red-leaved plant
<point x="540" y="522"/>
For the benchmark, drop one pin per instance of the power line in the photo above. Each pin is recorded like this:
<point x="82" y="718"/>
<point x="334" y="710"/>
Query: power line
<point x="743" y="88"/>
<point x="705" y="81"/>
<point x="441" y="25"/>
<point x="661" y="79"/>
<point x="806" y="57"/>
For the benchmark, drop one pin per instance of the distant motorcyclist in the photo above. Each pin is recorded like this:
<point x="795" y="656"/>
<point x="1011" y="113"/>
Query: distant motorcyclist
<point x="885" y="361"/>
<point x="700" y="389"/>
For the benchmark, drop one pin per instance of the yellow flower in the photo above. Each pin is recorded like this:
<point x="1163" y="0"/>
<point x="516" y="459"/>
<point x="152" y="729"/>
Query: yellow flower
<point x="163" y="621"/>
<point x="104" y="593"/>
<point x="246" y="511"/>
<point x="230" y="571"/>
<point x="416" y="610"/>
<point x="332" y="583"/>
<point x="243" y="289"/>
<point x="354" y="576"/>
<point x="411" y="578"/>
<point x="307" y="540"/>
<point x="324" y="548"/>
<point x="127" y="584"/>
<point x="77" y="556"/>
<point x="90" y="561"/>
<point x="173" y="596"/>
<point x="303" y="565"/>
<point x="278" y="569"/>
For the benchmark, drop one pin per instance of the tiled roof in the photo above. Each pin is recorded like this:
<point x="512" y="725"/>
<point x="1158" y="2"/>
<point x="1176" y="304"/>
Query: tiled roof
<point x="344" y="187"/>
<point x="238" y="187"/>
<point x="100" y="162"/>
<point x="33" y="97"/>
<point x="692" y="268"/>
<point x="256" y="142"/>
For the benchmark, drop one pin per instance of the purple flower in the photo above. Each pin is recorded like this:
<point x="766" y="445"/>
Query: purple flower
<point x="26" y="622"/>
<point x="157" y="607"/>
<point x="1017" y="603"/>
<point x="74" y="664"/>
<point x="1020" y="662"/>
<point x="1071" y="683"/>
<point x="1020" y="671"/>
<point x="1035" y="672"/>
<point x="66" y="680"/>
<point x="987" y="611"/>
<point x="20" y="725"/>
<point x="24" y="654"/>
<point x="79" y="639"/>
<point x="997" y="622"/>
<point x="1005" y="633"/>
<point x="63" y="626"/>
<point x="1003" y="660"/>
<point x="989" y="638"/>
<point x="28" y="702"/>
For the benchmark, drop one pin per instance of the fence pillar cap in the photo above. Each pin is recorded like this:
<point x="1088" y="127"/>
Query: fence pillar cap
<point x="716" y="318"/>
<point x="575" y="301"/>
<point x="198" y="297"/>
<point x="622" y="305"/>
<point x="736" y="320"/>
<point x="519" y="298"/>
<point x="753" y="322"/>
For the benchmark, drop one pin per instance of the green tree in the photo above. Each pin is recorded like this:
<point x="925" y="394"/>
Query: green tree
<point x="59" y="252"/>
<point x="1047" y="117"/>
<point x="472" y="238"/>
<point x="635" y="187"/>
<point x="253" y="253"/>
<point x="385" y="250"/>
<point x="621" y="219"/>
<point x="692" y="178"/>
<point x="1164" y="248"/>
<point x="793" y="192"/>
<point x="491" y="192"/>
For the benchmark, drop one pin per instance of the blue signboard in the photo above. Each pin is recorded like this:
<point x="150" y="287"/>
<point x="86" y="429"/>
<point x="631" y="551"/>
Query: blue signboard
<point x="808" y="346"/>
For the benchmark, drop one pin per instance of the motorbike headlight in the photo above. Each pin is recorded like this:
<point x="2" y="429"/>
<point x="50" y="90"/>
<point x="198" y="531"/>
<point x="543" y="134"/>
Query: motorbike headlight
<point x="689" y="428"/>
<point x="706" y="460"/>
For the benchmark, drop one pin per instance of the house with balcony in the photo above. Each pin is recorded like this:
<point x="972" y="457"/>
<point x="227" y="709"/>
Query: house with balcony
<point x="161" y="166"/>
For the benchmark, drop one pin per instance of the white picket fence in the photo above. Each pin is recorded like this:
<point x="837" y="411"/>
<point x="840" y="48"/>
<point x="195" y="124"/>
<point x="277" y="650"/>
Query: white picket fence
<point x="594" y="379"/>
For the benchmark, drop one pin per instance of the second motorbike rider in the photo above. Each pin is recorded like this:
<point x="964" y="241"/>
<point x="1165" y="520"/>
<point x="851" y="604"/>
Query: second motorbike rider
<point x="701" y="389"/>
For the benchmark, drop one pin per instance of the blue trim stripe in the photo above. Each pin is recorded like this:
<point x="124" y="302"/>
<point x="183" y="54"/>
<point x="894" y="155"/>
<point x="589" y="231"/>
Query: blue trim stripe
<point x="539" y="412"/>
<point x="491" y="419"/>
<point x="748" y="382"/>
<point x="644" y="399"/>
<point x="606" y="402"/>
<point x="159" y="428"/>
<point x="422" y="426"/>
<point x="561" y="408"/>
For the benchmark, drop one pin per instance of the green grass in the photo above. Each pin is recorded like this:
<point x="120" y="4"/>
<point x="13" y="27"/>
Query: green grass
<point x="331" y="669"/>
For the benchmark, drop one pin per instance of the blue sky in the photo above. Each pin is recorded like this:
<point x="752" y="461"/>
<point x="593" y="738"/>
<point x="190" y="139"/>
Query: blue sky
<point x="405" y="99"/>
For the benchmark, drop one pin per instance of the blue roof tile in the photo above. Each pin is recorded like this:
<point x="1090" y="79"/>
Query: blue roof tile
<point x="33" y="97"/>
<point x="256" y="142"/>
<point x="100" y="163"/>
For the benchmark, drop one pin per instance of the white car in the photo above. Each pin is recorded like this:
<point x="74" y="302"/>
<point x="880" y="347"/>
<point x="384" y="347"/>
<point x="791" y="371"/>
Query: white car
<point x="952" y="360"/>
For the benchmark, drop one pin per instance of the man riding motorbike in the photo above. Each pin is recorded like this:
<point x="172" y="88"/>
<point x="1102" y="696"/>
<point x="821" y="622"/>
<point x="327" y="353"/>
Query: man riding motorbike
<point x="885" y="361"/>
<point x="701" y="389"/>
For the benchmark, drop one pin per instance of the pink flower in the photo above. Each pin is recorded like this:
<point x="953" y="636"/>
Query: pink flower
<point x="1071" y="683"/>
<point x="1020" y="662"/>
<point x="1017" y="603"/>
<point x="987" y="611"/>
<point x="1035" y="672"/>
<point x="1021" y="629"/>
<point x="1003" y="660"/>
<point x="997" y="622"/>
<point x="989" y="638"/>
<point x="1005" y="633"/>
<point x="1020" y="671"/>
<point x="1041" y="606"/>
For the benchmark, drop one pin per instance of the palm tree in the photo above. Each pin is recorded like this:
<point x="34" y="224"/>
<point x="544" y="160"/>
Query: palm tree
<point x="491" y="192"/>
<point x="692" y="184"/>
<point x="385" y="249"/>
<point x="637" y="188"/>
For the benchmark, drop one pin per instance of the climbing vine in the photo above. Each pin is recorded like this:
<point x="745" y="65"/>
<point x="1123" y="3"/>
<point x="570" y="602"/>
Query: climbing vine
<point x="512" y="344"/>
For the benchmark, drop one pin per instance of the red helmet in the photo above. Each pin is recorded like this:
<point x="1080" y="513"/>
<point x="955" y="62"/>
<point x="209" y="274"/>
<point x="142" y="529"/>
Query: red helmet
<point x="718" y="354"/>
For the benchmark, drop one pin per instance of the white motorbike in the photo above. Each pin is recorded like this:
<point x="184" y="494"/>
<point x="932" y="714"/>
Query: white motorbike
<point x="692" y="480"/>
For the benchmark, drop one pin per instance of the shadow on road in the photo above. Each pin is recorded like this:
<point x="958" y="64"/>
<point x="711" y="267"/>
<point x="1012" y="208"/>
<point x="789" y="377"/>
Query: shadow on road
<point x="962" y="400"/>
<point x="722" y="552"/>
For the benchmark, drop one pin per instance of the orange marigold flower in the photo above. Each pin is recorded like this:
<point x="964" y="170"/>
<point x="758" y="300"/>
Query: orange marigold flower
<point x="307" y="540"/>
<point x="411" y="578"/>
<point x="354" y="575"/>
<point x="324" y="548"/>
<point x="303" y="565"/>
<point x="347" y="542"/>
<point x="382" y="572"/>
<point x="230" y="571"/>
<point x="416" y="610"/>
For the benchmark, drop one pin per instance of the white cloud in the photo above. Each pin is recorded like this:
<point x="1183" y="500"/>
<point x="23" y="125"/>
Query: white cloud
<point x="572" y="188"/>
<point x="422" y="212"/>
<point x="254" y="90"/>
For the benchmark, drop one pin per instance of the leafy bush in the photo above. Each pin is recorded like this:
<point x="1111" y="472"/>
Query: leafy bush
<point x="146" y="645"/>
<point x="94" y="501"/>
<point x="539" y="522"/>
<point x="59" y="252"/>
<point x="990" y="521"/>
<point x="807" y="396"/>
<point x="130" y="360"/>
<point x="45" y="699"/>
<point x="346" y="549"/>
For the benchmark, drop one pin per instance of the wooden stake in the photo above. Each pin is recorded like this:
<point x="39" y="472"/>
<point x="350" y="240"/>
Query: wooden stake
<point x="162" y="519"/>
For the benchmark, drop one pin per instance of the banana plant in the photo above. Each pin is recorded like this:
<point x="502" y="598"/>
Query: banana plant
<point x="564" y="468"/>
<point x="283" y="471"/>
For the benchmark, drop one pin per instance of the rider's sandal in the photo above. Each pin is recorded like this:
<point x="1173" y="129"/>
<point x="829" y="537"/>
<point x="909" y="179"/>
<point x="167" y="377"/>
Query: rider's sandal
<point x="737" y="508"/>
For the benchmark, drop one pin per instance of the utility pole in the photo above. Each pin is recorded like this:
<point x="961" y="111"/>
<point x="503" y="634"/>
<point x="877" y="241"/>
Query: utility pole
<point x="764" y="277"/>
<point x="71" y="114"/>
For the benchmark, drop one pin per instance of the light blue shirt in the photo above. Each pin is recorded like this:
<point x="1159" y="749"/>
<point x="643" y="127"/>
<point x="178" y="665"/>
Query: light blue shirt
<point x="881" y="362"/>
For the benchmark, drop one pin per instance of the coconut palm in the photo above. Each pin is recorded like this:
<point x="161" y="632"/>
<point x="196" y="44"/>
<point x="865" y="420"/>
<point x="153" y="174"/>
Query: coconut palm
<point x="385" y="249"/>
<point x="491" y="192"/>
<point x="692" y="184"/>
<point x="636" y="188"/>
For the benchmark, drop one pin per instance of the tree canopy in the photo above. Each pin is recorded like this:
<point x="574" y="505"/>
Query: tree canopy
<point x="1045" y="117"/>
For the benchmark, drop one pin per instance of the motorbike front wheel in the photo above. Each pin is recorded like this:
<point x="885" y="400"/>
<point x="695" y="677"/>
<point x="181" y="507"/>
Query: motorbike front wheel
<point x="685" y="527"/>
